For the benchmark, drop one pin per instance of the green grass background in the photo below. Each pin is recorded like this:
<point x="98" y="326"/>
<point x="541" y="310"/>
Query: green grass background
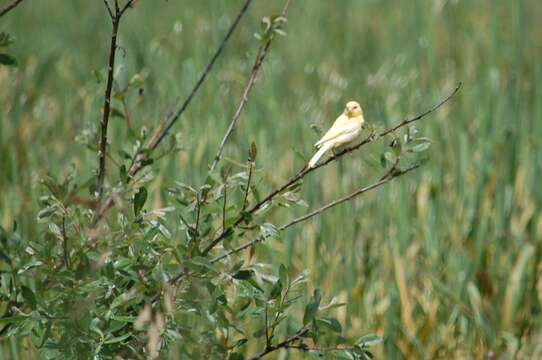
<point x="444" y="263"/>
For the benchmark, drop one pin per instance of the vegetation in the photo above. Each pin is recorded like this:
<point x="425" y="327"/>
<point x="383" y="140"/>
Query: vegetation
<point x="441" y="259"/>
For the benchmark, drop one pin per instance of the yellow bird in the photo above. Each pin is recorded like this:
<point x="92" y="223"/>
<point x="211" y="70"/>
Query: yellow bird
<point x="345" y="129"/>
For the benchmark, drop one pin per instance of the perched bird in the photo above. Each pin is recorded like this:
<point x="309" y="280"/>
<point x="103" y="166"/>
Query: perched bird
<point x="344" y="130"/>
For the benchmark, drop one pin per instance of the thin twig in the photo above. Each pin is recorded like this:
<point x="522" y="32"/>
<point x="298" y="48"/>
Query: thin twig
<point x="260" y="56"/>
<point x="65" y="242"/>
<point x="198" y="212"/>
<point x="102" y="152"/>
<point x="10" y="7"/>
<point x="108" y="9"/>
<point x="224" y="203"/>
<point x="356" y="193"/>
<point x="282" y="345"/>
<point x="128" y="4"/>
<point x="127" y="115"/>
<point x="390" y="175"/>
<point x="249" y="180"/>
<point x="306" y="170"/>
<point x="166" y="125"/>
<point x="266" y="325"/>
<point x="305" y="348"/>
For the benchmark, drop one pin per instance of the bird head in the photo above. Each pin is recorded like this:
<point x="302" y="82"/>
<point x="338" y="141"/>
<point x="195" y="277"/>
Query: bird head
<point x="353" y="109"/>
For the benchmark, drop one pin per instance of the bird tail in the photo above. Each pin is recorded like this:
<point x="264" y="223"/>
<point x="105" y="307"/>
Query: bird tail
<point x="318" y="155"/>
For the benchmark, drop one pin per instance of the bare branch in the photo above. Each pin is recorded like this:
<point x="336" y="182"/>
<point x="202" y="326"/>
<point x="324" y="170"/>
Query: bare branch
<point x="198" y="212"/>
<point x="10" y="7"/>
<point x="390" y="175"/>
<point x="224" y="204"/>
<point x="102" y="152"/>
<point x="107" y="107"/>
<point x="128" y="4"/>
<point x="356" y="193"/>
<point x="65" y="242"/>
<point x="166" y="125"/>
<point x="416" y="118"/>
<point x="109" y="9"/>
<point x="305" y="348"/>
<point x="260" y="56"/>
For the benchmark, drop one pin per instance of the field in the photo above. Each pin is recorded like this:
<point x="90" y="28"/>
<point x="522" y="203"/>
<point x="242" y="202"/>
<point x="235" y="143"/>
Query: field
<point x="444" y="262"/>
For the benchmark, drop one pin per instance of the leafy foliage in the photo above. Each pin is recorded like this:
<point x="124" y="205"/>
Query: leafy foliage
<point x="443" y="267"/>
<point x="145" y="279"/>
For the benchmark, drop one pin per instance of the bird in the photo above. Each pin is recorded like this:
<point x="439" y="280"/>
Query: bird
<point x="344" y="130"/>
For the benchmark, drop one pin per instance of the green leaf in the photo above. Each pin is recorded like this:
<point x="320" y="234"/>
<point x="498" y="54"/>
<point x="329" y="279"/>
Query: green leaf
<point x="315" y="331"/>
<point x="139" y="200"/>
<point x="28" y="296"/>
<point x="383" y="160"/>
<point x="255" y="284"/>
<point x="369" y="340"/>
<point x="137" y="81"/>
<point x="29" y="265"/>
<point x="119" y="95"/>
<point x="269" y="230"/>
<point x="8" y="60"/>
<point x="116" y="113"/>
<point x="109" y="270"/>
<point x="98" y="75"/>
<point x="123" y="174"/>
<point x="419" y="145"/>
<point x="276" y="290"/>
<point x="243" y="274"/>
<point x="312" y="307"/>
<point x="117" y="339"/>
<point x="253" y="152"/>
<point x="204" y="262"/>
<point x="240" y="343"/>
<point x="45" y="335"/>
<point x="396" y="146"/>
<point x="14" y="319"/>
<point x="147" y="162"/>
<point x="334" y="303"/>
<point x="386" y="159"/>
<point x="330" y="323"/>
<point x="266" y="23"/>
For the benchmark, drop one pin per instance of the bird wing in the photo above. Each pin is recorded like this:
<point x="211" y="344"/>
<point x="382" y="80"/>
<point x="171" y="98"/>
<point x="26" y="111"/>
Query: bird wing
<point x="339" y="128"/>
<point x="339" y="121"/>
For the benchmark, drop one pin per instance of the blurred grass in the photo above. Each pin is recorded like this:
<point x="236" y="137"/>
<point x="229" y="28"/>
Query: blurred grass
<point x="445" y="263"/>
